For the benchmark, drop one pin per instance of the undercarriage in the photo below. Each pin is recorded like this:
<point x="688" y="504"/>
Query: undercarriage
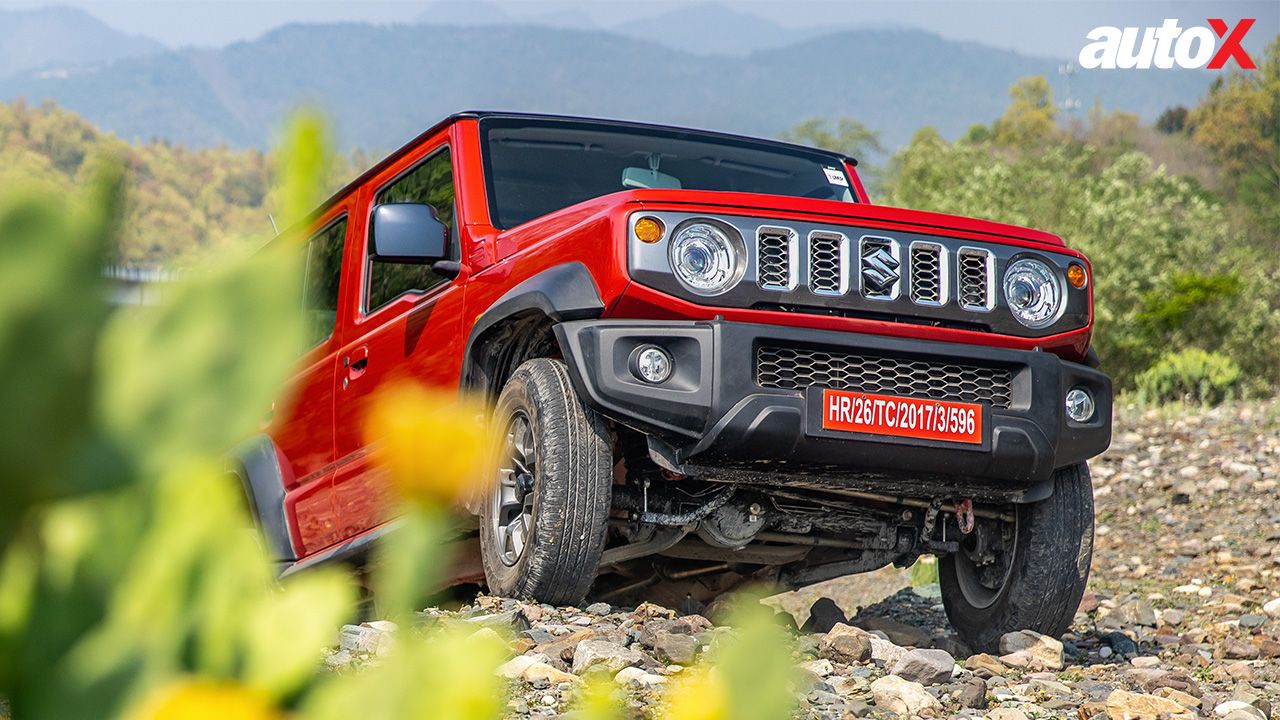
<point x="691" y="538"/>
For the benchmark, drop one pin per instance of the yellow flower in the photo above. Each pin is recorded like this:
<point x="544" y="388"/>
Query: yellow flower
<point x="698" y="695"/>
<point x="206" y="700"/>
<point x="435" y="447"/>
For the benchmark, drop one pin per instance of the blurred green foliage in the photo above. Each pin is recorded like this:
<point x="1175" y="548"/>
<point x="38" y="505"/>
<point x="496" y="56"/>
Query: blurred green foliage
<point x="1191" y="375"/>
<point x="132" y="584"/>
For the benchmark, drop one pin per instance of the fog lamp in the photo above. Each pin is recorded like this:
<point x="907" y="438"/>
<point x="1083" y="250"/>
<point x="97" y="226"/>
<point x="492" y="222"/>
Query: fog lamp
<point x="1080" y="405"/>
<point x="651" y="364"/>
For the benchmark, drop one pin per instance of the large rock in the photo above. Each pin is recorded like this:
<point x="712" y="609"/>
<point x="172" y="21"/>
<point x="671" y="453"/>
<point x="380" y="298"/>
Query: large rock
<point x="1124" y="705"/>
<point x="562" y="650"/>
<point x="516" y="666"/>
<point x="604" y="655"/>
<point x="675" y="648"/>
<point x="634" y="676"/>
<point x="903" y="697"/>
<point x="1045" y="653"/>
<point x="845" y="644"/>
<point x="984" y="665"/>
<point x="541" y="673"/>
<point x="928" y="667"/>
<point x="1231" y="707"/>
<point x="1272" y="608"/>
<point x="972" y="693"/>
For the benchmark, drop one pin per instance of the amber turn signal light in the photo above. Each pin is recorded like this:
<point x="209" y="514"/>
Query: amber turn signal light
<point x="1076" y="275"/>
<point x="649" y="230"/>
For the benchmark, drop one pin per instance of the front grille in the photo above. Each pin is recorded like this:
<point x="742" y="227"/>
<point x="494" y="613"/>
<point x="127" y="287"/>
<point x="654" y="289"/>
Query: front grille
<point x="775" y="249"/>
<point x="975" y="279"/>
<point x="927" y="263"/>
<point x="827" y="274"/>
<point x="796" y="369"/>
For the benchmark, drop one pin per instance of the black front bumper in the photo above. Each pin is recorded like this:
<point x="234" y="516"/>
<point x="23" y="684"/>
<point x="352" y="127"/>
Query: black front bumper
<point x="714" y="415"/>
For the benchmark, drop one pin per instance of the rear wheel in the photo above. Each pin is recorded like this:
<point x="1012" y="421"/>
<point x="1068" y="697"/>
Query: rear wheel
<point x="543" y="526"/>
<point x="1028" y="575"/>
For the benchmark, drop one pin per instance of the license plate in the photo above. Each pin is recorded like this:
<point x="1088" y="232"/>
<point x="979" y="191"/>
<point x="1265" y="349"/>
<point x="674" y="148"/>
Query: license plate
<point x="901" y="416"/>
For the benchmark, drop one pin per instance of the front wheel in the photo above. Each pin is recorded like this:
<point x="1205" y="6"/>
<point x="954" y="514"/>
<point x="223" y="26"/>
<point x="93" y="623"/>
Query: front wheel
<point x="542" y="528"/>
<point x="1028" y="575"/>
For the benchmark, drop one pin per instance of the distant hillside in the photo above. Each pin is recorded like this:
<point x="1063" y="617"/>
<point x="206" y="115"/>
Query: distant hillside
<point x="711" y="29"/>
<point x="383" y="84"/>
<point x="55" y="39"/>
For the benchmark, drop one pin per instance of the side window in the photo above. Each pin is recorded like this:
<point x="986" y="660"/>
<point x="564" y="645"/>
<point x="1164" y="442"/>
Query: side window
<point x="431" y="183"/>
<point x="320" y="285"/>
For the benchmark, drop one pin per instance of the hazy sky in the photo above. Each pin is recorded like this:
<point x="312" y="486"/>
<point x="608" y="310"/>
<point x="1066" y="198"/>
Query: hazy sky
<point x="1053" y="28"/>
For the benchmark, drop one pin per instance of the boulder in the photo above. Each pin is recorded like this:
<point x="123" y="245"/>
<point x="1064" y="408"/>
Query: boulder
<point x="539" y="673"/>
<point x="677" y="648"/>
<point x="1046" y="652"/>
<point x="1124" y="705"/>
<point x="903" y="697"/>
<point x="603" y="655"/>
<point x="928" y="667"/>
<point x="845" y="644"/>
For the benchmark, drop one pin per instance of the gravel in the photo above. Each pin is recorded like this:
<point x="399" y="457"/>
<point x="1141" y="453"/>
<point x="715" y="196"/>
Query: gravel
<point x="1181" y="618"/>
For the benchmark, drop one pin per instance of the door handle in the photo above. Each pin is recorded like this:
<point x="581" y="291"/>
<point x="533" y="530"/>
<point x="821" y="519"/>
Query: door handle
<point x="355" y="363"/>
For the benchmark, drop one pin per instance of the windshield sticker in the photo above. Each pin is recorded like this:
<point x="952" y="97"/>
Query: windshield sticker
<point x="836" y="177"/>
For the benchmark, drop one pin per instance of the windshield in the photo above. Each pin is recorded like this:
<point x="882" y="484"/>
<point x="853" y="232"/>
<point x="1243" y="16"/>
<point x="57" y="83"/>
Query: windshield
<point x="535" y="166"/>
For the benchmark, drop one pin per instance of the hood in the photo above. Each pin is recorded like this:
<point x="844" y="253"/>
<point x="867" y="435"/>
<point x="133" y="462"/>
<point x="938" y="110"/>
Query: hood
<point x="833" y="212"/>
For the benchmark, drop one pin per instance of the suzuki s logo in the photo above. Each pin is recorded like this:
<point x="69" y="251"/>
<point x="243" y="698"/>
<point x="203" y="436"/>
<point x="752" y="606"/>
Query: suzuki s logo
<point x="879" y="270"/>
<point x="1166" y="46"/>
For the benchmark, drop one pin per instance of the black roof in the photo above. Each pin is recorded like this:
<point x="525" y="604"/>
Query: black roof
<point x="478" y="114"/>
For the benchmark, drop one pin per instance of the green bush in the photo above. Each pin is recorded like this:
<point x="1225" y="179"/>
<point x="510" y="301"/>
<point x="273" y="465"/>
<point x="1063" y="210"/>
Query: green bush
<point x="1193" y="375"/>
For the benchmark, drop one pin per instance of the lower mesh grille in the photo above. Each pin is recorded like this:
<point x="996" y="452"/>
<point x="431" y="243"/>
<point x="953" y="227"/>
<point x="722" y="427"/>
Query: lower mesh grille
<point x="796" y="369"/>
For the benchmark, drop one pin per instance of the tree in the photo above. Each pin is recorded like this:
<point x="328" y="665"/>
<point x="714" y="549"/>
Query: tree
<point x="1172" y="120"/>
<point x="1239" y="122"/>
<point x="848" y="137"/>
<point x="1030" y="118"/>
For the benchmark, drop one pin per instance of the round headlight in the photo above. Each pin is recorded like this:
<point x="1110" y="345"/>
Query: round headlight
<point x="707" y="259"/>
<point x="1033" y="293"/>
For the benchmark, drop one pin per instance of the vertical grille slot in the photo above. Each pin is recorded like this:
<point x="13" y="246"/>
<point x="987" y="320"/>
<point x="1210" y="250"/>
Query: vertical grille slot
<point x="928" y="274"/>
<point x="879" y="268"/>
<point x="828" y="270"/>
<point x="977" y="272"/>
<point x="776" y="251"/>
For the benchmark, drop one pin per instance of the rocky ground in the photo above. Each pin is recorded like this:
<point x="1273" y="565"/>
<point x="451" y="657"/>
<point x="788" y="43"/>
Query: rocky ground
<point x="1182" y="617"/>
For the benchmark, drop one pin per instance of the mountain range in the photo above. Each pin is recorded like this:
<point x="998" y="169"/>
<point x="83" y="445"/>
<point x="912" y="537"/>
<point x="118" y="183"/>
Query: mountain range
<point x="381" y="84"/>
<point x="54" y="38"/>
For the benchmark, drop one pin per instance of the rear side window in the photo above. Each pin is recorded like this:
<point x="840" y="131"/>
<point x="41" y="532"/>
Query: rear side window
<point x="323" y="271"/>
<point x="430" y="183"/>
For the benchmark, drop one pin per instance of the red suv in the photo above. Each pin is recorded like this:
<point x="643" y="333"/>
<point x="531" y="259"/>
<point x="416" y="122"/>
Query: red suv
<point x="714" y="361"/>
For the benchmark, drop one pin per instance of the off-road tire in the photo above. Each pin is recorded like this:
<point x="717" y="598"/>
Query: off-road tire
<point x="572" y="490"/>
<point x="1049" y="571"/>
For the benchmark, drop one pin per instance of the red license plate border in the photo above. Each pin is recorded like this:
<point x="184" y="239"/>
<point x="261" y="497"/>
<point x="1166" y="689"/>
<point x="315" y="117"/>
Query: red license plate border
<point x="814" y="426"/>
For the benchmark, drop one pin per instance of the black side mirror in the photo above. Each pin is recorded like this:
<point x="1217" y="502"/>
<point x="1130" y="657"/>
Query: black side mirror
<point x="408" y="233"/>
